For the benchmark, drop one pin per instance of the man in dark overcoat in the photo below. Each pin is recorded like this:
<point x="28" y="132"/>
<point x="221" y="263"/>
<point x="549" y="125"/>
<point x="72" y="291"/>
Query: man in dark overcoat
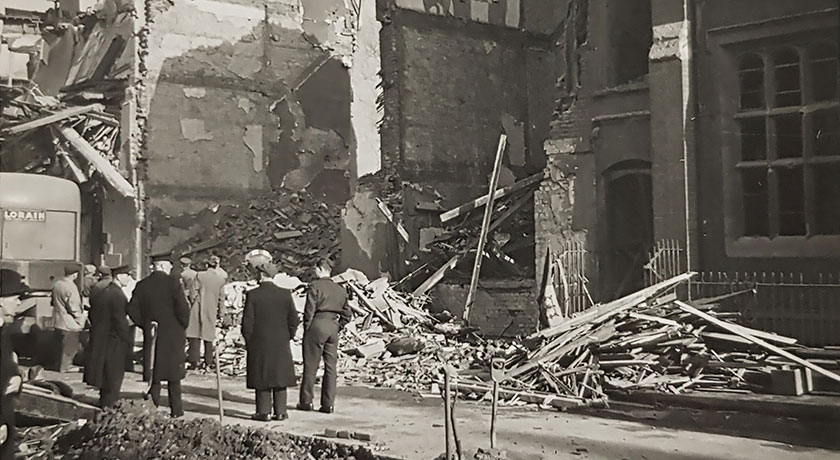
<point x="325" y="314"/>
<point x="159" y="297"/>
<point x="269" y="322"/>
<point x="12" y="288"/>
<point x="110" y="341"/>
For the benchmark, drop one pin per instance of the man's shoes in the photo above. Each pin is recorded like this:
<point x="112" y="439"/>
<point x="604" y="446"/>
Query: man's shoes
<point x="176" y="415"/>
<point x="326" y="409"/>
<point x="305" y="407"/>
<point x="260" y="417"/>
<point x="280" y="417"/>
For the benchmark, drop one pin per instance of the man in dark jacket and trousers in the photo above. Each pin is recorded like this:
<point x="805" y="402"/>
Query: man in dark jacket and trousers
<point x="325" y="314"/>
<point x="269" y="322"/>
<point x="12" y="288"/>
<point x="110" y="341"/>
<point x="159" y="297"/>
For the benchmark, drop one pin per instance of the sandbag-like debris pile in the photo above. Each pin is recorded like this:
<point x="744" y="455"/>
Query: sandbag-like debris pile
<point x="295" y="228"/>
<point x="134" y="431"/>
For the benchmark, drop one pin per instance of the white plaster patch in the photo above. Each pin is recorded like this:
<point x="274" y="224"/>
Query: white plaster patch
<point x="515" y="131"/>
<point x="512" y="13"/>
<point x="566" y="145"/>
<point x="195" y="93"/>
<point x="225" y="10"/>
<point x="668" y="41"/>
<point x="193" y="129"/>
<point x="489" y="46"/>
<point x="253" y="140"/>
<point x="480" y="11"/>
<point x="246" y="105"/>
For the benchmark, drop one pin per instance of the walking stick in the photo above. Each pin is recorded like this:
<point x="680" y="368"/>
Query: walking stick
<point x="153" y="329"/>
<point x="497" y="373"/>
<point x="219" y="384"/>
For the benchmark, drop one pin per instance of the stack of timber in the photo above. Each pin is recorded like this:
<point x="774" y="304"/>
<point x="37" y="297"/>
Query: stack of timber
<point x="649" y="340"/>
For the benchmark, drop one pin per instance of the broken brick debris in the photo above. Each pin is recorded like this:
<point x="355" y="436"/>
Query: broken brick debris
<point x="133" y="430"/>
<point x="295" y="228"/>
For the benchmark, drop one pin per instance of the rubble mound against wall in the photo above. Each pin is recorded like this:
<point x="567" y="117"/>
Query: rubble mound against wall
<point x="296" y="228"/>
<point x="133" y="431"/>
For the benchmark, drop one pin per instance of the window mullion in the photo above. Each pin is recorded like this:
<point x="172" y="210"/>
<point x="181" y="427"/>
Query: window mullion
<point x="808" y="180"/>
<point x="772" y="143"/>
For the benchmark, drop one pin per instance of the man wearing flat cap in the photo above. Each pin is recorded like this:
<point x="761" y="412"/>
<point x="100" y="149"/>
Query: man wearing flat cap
<point x="207" y="305"/>
<point x="110" y="341"/>
<point x="68" y="318"/>
<point x="105" y="279"/>
<point x="160" y="298"/>
<point x="269" y="322"/>
<point x="12" y="288"/>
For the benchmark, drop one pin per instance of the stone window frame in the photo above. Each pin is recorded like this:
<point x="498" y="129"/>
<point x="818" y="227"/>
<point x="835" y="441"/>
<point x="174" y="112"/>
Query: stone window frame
<point x="728" y="47"/>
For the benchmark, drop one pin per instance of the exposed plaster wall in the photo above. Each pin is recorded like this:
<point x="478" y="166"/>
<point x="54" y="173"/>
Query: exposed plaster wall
<point x="240" y="96"/>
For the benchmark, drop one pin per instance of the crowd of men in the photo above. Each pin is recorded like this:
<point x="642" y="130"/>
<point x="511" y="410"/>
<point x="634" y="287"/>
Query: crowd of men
<point x="178" y="316"/>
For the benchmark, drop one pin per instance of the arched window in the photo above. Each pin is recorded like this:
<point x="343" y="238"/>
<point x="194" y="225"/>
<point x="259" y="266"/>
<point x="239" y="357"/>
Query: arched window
<point x="788" y="84"/>
<point x="751" y="78"/>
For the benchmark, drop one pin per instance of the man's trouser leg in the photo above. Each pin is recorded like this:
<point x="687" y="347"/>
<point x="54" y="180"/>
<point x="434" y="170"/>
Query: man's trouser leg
<point x="192" y="350"/>
<point x="312" y="351"/>
<point x="7" y="449"/>
<point x="69" y="347"/>
<point x="129" y="355"/>
<point x="281" y="397"/>
<point x="176" y="405"/>
<point x="208" y="353"/>
<point x="154" y="392"/>
<point x="109" y="394"/>
<point x="263" y="398"/>
<point x="328" y="384"/>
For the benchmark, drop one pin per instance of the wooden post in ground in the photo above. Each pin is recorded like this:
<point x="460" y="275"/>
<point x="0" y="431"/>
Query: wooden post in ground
<point x="446" y="408"/>
<point x="219" y="385"/>
<point x="493" y="415"/>
<point x="485" y="224"/>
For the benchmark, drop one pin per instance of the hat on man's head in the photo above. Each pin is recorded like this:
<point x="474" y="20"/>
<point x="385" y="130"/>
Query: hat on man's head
<point x="11" y="283"/>
<point x="214" y="261"/>
<point x="70" y="269"/>
<point x="90" y="269"/>
<point x="185" y="260"/>
<point x="162" y="258"/>
<point x="104" y="271"/>
<point x="267" y="269"/>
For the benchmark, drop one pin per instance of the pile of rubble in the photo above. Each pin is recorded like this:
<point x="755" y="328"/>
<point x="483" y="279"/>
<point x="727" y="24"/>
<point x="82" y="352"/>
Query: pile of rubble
<point x="390" y="342"/>
<point x="295" y="228"/>
<point x="650" y="340"/>
<point x="133" y="431"/>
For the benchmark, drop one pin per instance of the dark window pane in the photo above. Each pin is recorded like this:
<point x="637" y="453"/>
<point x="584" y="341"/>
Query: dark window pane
<point x="824" y="71"/>
<point x="788" y="136"/>
<point x="791" y="201"/>
<point x="786" y="62"/>
<point x="754" y="183"/>
<point x="826" y="125"/>
<point x="751" y="76"/>
<point x="827" y="178"/>
<point x="753" y="139"/>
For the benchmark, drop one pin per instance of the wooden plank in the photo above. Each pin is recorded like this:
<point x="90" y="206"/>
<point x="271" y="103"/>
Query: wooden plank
<point x="438" y="275"/>
<point x="557" y="401"/>
<point x="481" y="201"/>
<point x="37" y="402"/>
<point x="485" y="226"/>
<point x="738" y="330"/>
<point x="108" y="171"/>
<point x="655" y="319"/>
<point x="386" y="211"/>
<point x="50" y="119"/>
<point x="611" y="308"/>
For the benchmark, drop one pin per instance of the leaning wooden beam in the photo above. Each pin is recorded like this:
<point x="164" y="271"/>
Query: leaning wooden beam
<point x="50" y="119"/>
<point x="611" y="308"/>
<point x="451" y="263"/>
<point x="36" y="402"/>
<point x="485" y="225"/>
<point x="735" y="329"/>
<point x="481" y="201"/>
<point x="108" y="171"/>
<point x="386" y="211"/>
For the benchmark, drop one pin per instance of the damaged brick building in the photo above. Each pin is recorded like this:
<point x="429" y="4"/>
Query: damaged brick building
<point x="670" y="133"/>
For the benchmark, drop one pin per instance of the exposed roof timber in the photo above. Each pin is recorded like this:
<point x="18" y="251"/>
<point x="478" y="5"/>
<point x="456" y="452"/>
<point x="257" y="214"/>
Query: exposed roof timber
<point x="108" y="171"/>
<point x="49" y="119"/>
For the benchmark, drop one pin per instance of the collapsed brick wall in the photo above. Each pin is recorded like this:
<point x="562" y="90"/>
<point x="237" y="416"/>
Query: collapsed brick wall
<point x="502" y="308"/>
